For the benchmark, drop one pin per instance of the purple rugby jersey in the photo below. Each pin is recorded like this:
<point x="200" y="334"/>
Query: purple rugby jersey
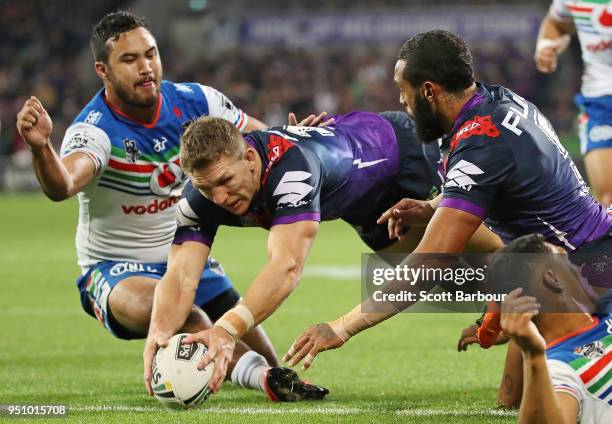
<point x="505" y="164"/>
<point x="345" y="171"/>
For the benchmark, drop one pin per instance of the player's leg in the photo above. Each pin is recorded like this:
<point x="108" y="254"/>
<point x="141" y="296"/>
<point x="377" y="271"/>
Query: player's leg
<point x="120" y="295"/>
<point x="595" y="132"/>
<point x="130" y="304"/>
<point x="598" y="165"/>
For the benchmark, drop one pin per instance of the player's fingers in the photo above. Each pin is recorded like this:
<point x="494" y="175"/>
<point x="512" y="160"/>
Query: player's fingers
<point x="37" y="105"/>
<point x="399" y="229"/>
<point x="318" y="119"/>
<point x="310" y="357"/>
<point x="208" y="357"/>
<point x="307" y="122"/>
<point x="200" y="337"/>
<point x="527" y="307"/>
<point x="163" y="342"/>
<point x="300" y="354"/>
<point x="296" y="346"/>
<point x="148" y="355"/>
<point x="547" y="65"/>
<point x="466" y="341"/>
<point x="513" y="294"/>
<point x="218" y="375"/>
<point x="519" y="304"/>
<point x="327" y="123"/>
<point x="390" y="228"/>
<point x="25" y="126"/>
<point x="29" y="117"/>
<point x="385" y="216"/>
<point x="291" y="119"/>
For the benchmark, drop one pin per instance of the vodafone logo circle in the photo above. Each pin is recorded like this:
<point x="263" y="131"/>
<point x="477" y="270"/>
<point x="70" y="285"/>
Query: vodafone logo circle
<point x="602" y="19"/>
<point x="165" y="178"/>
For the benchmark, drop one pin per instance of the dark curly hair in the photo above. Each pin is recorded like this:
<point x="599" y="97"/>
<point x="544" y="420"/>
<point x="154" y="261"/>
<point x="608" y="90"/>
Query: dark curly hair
<point x="110" y="27"/>
<point x="439" y="56"/>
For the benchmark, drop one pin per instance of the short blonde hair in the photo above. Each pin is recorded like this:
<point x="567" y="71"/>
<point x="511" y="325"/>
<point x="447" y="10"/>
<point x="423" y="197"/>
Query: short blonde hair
<point x="206" y="139"/>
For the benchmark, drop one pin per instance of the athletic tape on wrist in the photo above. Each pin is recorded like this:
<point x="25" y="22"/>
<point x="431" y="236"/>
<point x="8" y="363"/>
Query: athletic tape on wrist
<point x="559" y="44"/>
<point x="227" y="326"/>
<point x="237" y="321"/>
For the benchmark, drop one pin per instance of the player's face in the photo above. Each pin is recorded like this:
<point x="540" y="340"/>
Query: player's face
<point x="429" y="126"/>
<point x="230" y="182"/>
<point x="134" y="68"/>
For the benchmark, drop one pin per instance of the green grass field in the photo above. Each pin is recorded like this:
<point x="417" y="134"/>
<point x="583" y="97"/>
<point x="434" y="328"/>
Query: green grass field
<point x="405" y="370"/>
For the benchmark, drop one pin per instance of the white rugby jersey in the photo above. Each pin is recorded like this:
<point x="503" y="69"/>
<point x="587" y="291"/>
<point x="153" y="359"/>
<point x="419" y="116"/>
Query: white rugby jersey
<point x="580" y="365"/>
<point x="593" y="22"/>
<point x="127" y="211"/>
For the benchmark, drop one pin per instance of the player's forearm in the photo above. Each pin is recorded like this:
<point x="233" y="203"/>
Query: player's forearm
<point x="273" y="284"/>
<point x="552" y="29"/>
<point x="53" y="177"/>
<point x="171" y="306"/>
<point x="254" y="124"/>
<point x="356" y="321"/>
<point x="539" y="404"/>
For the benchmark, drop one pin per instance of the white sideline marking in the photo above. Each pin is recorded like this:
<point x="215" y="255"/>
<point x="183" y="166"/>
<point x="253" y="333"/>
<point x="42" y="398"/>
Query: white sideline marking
<point x="220" y="410"/>
<point x="428" y="412"/>
<point x="417" y="412"/>
<point x="345" y="272"/>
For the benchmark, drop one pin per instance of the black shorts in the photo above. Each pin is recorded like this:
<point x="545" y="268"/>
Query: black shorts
<point x="417" y="178"/>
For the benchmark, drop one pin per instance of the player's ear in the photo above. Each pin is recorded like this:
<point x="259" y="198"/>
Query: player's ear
<point x="101" y="69"/>
<point x="551" y="282"/>
<point x="249" y="155"/>
<point x="429" y="91"/>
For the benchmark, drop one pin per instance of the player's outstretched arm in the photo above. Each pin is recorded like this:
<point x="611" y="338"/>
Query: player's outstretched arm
<point x="174" y="296"/>
<point x="59" y="178"/>
<point x="254" y="124"/>
<point x="288" y="248"/>
<point x="448" y="232"/>
<point x="540" y="404"/>
<point x="553" y="39"/>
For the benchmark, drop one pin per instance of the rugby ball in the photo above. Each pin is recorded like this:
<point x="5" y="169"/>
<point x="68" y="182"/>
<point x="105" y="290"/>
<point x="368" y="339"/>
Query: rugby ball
<point x="176" y="381"/>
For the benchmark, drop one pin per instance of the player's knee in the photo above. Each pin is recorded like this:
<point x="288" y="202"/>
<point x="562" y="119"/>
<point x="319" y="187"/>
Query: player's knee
<point x="131" y="309"/>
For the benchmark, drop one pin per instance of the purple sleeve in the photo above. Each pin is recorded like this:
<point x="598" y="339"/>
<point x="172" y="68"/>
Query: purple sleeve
<point x="464" y="205"/>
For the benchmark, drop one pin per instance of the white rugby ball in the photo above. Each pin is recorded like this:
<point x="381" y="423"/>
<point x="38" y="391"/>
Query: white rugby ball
<point x="176" y="381"/>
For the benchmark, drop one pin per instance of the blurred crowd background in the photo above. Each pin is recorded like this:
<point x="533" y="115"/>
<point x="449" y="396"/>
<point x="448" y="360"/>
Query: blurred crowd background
<point x="270" y="56"/>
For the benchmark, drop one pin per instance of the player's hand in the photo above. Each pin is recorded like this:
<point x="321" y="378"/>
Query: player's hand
<point x="468" y="337"/>
<point x="516" y="321"/>
<point x="220" y="350"/>
<point x="406" y="213"/>
<point x="153" y="343"/>
<point x="547" y="51"/>
<point x="310" y="120"/>
<point x="34" y="124"/>
<point x="546" y="60"/>
<point x="317" y="338"/>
